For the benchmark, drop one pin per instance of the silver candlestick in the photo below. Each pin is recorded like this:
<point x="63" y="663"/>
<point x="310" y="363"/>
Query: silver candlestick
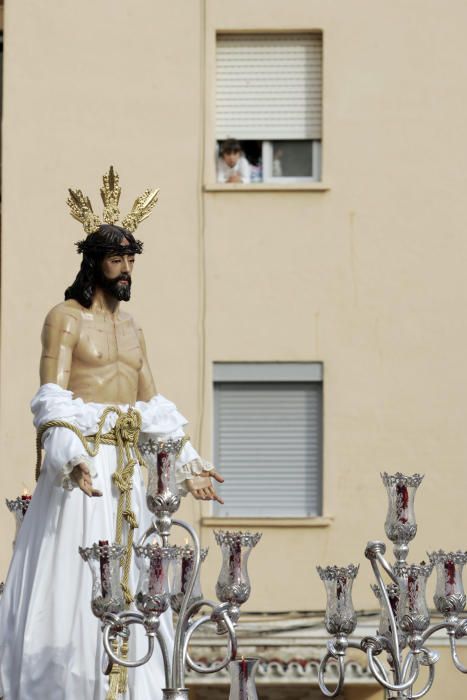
<point x="404" y="627"/>
<point x="156" y="593"/>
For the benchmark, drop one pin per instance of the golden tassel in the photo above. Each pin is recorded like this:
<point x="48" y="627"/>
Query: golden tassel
<point x="114" y="678"/>
<point x="123" y="678"/>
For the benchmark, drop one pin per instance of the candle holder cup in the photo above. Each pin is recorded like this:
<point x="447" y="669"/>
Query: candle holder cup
<point x="162" y="491"/>
<point x="104" y="561"/>
<point x="153" y="593"/>
<point x="449" y="597"/>
<point x="233" y="584"/>
<point x="242" y="678"/>
<point x="394" y="597"/>
<point x="182" y="568"/>
<point x="340" y="617"/>
<point x="414" y="616"/>
<point x="162" y="496"/>
<point x="400" y="525"/>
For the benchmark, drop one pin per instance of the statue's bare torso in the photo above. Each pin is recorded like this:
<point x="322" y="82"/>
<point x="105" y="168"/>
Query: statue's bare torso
<point x="98" y="355"/>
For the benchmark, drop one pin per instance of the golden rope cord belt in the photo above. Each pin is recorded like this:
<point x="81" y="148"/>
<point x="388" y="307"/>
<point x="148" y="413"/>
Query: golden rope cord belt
<point x="124" y="435"/>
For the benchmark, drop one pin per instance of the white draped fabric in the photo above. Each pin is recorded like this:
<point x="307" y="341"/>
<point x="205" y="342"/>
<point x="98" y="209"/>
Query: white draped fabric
<point x="50" y="642"/>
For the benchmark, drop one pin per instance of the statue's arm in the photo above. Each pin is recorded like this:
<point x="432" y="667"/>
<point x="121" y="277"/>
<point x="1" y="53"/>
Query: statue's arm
<point x="146" y="385"/>
<point x="60" y="334"/>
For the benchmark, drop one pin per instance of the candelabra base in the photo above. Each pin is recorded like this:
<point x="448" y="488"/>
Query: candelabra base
<point x="174" y="693"/>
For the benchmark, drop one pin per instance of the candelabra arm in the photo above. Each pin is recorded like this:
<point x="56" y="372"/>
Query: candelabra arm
<point x="341" y="671"/>
<point x="436" y="628"/>
<point x="152" y="530"/>
<point x="182" y="624"/>
<point x="375" y="668"/>
<point x="428" y="685"/>
<point x="379" y="558"/>
<point x="165" y="656"/>
<point x="427" y="660"/>
<point x="381" y="668"/>
<point x="125" y="619"/>
<point x="455" y="657"/>
<point x="231" y="649"/>
<point x="387" y="567"/>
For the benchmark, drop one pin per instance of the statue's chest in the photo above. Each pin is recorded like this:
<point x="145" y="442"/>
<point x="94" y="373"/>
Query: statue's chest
<point x="103" y="341"/>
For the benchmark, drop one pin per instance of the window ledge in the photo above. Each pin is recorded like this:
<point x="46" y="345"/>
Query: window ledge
<point x="269" y="187"/>
<point x="319" y="521"/>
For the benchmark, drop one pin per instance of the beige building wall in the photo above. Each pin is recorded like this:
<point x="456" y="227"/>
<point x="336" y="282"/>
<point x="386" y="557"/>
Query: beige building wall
<point x="365" y="273"/>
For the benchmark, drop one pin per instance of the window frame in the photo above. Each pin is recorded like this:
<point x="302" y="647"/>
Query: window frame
<point x="316" y="182"/>
<point x="272" y="373"/>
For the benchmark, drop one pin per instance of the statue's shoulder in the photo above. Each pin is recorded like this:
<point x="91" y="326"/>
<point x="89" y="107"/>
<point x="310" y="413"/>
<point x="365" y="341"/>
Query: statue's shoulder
<point x="125" y="316"/>
<point x="66" y="315"/>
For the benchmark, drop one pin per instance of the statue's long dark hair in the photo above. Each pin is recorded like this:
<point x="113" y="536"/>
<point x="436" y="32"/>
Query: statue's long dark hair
<point x="107" y="240"/>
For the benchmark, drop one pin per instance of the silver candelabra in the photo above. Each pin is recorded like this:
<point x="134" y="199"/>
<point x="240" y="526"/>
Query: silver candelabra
<point x="156" y="593"/>
<point x="404" y="626"/>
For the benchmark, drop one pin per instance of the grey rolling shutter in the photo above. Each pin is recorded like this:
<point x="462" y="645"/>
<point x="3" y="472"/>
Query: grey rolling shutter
<point x="268" y="447"/>
<point x="269" y="86"/>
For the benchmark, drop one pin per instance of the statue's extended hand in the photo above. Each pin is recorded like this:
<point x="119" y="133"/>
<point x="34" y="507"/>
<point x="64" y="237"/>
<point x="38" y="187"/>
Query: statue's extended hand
<point x="82" y="477"/>
<point x="201" y="486"/>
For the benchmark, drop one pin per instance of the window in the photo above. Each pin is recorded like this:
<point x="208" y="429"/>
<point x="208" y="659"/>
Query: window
<point x="268" y="97"/>
<point x="268" y="438"/>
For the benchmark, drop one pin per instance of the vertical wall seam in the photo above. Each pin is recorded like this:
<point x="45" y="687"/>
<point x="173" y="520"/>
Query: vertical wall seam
<point x="201" y="236"/>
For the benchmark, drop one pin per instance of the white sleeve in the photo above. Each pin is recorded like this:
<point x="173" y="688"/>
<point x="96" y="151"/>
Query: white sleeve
<point x="63" y="448"/>
<point x="63" y="451"/>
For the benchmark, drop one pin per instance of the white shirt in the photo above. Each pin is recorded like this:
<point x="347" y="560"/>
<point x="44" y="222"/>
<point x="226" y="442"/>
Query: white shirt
<point x="241" y="167"/>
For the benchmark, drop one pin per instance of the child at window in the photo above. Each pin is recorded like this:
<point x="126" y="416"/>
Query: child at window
<point x="232" y="166"/>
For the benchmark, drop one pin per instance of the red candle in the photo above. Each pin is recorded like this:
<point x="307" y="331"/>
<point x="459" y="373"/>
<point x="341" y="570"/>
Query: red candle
<point x="104" y="565"/>
<point x="243" y="689"/>
<point x="450" y="580"/>
<point x="402" y="502"/>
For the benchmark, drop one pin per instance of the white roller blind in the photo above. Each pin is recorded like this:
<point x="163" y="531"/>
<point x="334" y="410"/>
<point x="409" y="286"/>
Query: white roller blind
<point x="267" y="445"/>
<point x="269" y="86"/>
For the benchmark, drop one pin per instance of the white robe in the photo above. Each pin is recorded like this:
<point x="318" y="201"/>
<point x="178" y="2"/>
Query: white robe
<point x="50" y="642"/>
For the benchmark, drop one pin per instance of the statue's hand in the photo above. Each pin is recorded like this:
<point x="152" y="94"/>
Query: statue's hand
<point x="82" y="478"/>
<point x="201" y="486"/>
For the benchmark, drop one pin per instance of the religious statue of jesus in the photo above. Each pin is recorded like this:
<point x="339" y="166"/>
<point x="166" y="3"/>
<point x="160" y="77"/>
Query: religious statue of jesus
<point x="93" y="358"/>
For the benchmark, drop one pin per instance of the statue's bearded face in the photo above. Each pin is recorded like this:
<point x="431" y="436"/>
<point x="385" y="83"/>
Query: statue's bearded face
<point x="115" y="275"/>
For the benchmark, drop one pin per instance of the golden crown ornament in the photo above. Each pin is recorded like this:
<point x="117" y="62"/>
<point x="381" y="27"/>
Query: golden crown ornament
<point x="81" y="207"/>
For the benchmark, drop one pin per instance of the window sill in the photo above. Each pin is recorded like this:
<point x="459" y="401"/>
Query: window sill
<point x="269" y="187"/>
<point x="318" y="521"/>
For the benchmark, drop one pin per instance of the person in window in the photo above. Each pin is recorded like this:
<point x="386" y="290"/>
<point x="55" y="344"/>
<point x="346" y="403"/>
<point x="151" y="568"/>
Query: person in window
<point x="232" y="166"/>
